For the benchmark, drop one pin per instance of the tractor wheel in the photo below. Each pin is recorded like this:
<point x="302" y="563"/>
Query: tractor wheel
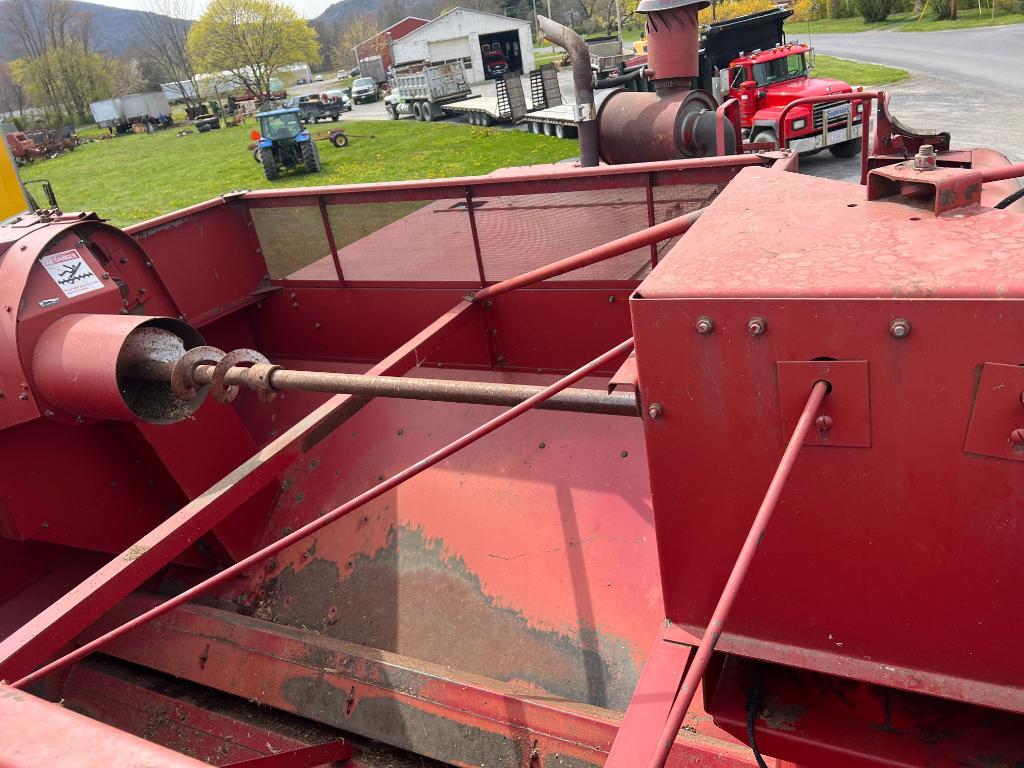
<point x="270" y="169"/>
<point x="845" y="149"/>
<point x="339" y="139"/>
<point x="256" y="155"/>
<point x="417" y="112"/>
<point x="392" y="112"/>
<point x="428" y="112"/>
<point x="310" y="156"/>
<point x="765" y="136"/>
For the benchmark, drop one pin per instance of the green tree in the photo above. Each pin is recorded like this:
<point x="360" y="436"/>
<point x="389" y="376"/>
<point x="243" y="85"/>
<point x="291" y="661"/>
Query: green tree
<point x="251" y="39"/>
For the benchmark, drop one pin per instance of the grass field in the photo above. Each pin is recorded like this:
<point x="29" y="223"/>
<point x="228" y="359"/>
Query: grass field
<point x="905" y="22"/>
<point x="136" y="177"/>
<point x="855" y="72"/>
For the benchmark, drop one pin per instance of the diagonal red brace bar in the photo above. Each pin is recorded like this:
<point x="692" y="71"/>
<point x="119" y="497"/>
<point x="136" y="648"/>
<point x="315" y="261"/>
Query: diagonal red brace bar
<point x="39" y="639"/>
<point x="739" y="571"/>
<point x="312" y="527"/>
<point x="664" y="231"/>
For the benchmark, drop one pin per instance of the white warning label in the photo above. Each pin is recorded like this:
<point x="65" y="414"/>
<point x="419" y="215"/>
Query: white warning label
<point x="72" y="275"/>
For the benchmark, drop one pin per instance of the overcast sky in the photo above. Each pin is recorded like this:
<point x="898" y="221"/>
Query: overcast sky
<point x="308" y="8"/>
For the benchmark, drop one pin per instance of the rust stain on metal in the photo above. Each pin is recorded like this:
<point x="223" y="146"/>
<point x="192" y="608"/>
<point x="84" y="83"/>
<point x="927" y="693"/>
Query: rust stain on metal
<point x="135" y="551"/>
<point x="413" y="598"/>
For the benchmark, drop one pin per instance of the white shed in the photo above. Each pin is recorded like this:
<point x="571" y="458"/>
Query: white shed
<point x="485" y="43"/>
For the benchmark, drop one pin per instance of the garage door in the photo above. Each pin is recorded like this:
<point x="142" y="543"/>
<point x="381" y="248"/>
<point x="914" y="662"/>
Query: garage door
<point x="446" y="50"/>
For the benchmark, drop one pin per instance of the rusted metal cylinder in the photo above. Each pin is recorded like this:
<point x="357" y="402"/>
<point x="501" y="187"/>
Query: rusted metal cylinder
<point x="79" y="363"/>
<point x="672" y="39"/>
<point x="641" y="127"/>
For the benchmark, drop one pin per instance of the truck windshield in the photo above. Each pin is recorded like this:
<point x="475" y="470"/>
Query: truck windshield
<point x="363" y="81"/>
<point x="277" y="127"/>
<point x="778" y="70"/>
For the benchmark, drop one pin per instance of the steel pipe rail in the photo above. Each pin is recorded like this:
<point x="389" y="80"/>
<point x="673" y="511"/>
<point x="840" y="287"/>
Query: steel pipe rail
<point x="439" y="390"/>
<point x="312" y="527"/>
<point x="657" y="233"/>
<point x="755" y="536"/>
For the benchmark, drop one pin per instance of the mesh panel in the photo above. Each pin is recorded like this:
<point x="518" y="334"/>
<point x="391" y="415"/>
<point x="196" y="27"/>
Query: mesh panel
<point x="291" y="238"/>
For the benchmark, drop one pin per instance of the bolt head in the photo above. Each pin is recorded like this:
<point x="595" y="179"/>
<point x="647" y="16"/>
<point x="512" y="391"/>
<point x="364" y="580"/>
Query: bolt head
<point x="1017" y="440"/>
<point x="654" y="410"/>
<point x="899" y="328"/>
<point x="757" y="326"/>
<point x="705" y="325"/>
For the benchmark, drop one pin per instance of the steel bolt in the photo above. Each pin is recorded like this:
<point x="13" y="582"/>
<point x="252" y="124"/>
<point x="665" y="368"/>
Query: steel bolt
<point x="925" y="159"/>
<point x="1017" y="440"/>
<point x="106" y="275"/>
<point x="48" y="413"/>
<point x="705" y="325"/>
<point x="899" y="328"/>
<point x="757" y="326"/>
<point x="654" y="410"/>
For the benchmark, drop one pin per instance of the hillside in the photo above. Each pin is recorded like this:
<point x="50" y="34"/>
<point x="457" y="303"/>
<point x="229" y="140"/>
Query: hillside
<point x="115" y="30"/>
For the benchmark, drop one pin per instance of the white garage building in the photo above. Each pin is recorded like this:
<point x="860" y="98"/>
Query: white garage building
<point x="468" y="36"/>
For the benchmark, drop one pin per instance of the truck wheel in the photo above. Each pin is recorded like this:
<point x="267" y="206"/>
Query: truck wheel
<point x="339" y="139"/>
<point x="844" y="149"/>
<point x="428" y="112"/>
<point x="765" y="136"/>
<point x="392" y="112"/>
<point x="310" y="156"/>
<point x="270" y="169"/>
<point x="416" y="111"/>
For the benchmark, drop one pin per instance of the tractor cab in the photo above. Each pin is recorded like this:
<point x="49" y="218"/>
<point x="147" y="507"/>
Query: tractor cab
<point x="283" y="142"/>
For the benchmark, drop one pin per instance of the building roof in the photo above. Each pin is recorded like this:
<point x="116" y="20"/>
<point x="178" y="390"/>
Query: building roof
<point x="512" y="20"/>
<point x="396" y="24"/>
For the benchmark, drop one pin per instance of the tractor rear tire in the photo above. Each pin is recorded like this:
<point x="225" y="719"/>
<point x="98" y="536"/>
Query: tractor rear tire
<point x="765" y="136"/>
<point x="310" y="156"/>
<point x="270" y="169"/>
<point x="846" y="149"/>
<point x="392" y="111"/>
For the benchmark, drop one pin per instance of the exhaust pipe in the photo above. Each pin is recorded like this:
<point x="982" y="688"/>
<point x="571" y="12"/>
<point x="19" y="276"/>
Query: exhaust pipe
<point x="582" y="79"/>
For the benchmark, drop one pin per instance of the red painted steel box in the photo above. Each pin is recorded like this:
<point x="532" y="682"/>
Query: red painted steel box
<point x="895" y="554"/>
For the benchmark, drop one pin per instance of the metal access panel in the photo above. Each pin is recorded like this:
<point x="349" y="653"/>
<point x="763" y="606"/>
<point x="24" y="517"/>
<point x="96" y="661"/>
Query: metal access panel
<point x="894" y="555"/>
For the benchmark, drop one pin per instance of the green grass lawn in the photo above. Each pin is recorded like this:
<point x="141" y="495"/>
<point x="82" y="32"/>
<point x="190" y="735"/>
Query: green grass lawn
<point x="855" y="72"/>
<point x="136" y="177"/>
<point x="904" y="22"/>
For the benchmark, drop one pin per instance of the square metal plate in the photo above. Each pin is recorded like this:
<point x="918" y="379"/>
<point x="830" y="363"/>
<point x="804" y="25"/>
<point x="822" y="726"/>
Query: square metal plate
<point x="998" y="411"/>
<point x="847" y="404"/>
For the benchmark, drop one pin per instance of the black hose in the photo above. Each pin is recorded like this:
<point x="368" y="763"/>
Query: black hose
<point x="1009" y="200"/>
<point x="753" y="708"/>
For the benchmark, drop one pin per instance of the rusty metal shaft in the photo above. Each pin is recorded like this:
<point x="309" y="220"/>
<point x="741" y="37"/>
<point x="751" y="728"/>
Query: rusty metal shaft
<point x="688" y="689"/>
<point x="611" y="356"/>
<point x="442" y="390"/>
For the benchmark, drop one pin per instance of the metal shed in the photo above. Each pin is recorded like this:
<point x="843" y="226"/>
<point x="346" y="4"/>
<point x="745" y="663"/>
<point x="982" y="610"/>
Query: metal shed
<point x="465" y="35"/>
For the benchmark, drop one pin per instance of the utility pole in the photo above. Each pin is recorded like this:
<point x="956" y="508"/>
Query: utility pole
<point x="952" y="9"/>
<point x="618" y="19"/>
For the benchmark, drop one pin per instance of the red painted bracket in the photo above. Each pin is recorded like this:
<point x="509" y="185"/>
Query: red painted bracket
<point x="946" y="188"/>
<point x="847" y="405"/>
<point x="996" y="427"/>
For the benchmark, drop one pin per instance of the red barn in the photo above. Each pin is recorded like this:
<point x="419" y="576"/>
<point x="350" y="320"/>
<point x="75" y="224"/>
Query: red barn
<point x="380" y="44"/>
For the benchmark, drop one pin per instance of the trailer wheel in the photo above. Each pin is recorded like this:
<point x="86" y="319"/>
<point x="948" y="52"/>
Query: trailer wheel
<point x="485" y="120"/>
<point x="339" y="139"/>
<point x="270" y="169"/>
<point x="471" y="118"/>
<point x="310" y="156"/>
<point x="845" y="149"/>
<point x="392" y="112"/>
<point x="417" y="112"/>
<point x="765" y="136"/>
<point x="535" y="128"/>
<point x="549" y="129"/>
<point x="560" y="131"/>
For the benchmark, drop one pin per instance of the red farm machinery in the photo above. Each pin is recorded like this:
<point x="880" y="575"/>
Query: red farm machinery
<point x="558" y="467"/>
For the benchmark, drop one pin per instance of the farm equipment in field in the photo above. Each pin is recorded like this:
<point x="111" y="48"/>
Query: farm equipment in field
<point x="528" y="470"/>
<point x="284" y="143"/>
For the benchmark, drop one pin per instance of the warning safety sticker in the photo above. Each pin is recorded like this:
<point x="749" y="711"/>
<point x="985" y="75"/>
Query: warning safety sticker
<point x="69" y="270"/>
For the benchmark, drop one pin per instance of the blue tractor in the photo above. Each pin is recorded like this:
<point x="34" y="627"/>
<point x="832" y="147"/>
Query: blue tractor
<point x="284" y="143"/>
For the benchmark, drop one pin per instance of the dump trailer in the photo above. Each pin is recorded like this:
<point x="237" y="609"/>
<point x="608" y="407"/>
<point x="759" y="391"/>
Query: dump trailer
<point x="120" y="112"/>
<point x="420" y="89"/>
<point x="373" y="66"/>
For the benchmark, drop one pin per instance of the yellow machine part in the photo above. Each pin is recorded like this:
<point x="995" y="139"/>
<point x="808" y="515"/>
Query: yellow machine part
<point x="13" y="199"/>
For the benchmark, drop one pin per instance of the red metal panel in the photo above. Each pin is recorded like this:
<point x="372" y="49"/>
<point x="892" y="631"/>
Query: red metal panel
<point x="37" y="734"/>
<point x="870" y="547"/>
<point x="997" y="422"/>
<point x="430" y="709"/>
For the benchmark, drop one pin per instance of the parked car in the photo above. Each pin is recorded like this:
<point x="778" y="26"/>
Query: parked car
<point x="338" y="95"/>
<point x="364" y="89"/>
<point x="342" y="74"/>
<point x="319" y="78"/>
<point x="353" y="72"/>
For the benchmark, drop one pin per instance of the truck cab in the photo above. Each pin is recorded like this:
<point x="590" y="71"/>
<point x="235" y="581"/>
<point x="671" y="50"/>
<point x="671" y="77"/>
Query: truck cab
<point x="764" y="82"/>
